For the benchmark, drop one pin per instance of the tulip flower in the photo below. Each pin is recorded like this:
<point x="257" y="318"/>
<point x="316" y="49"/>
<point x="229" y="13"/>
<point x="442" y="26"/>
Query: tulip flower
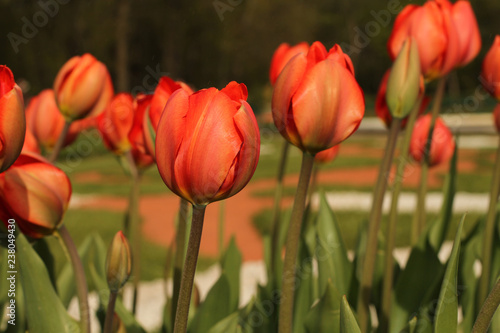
<point x="12" y="119"/>
<point x="328" y="155"/>
<point x="208" y="143"/>
<point x="115" y="123"/>
<point x="282" y="55"/>
<point x="163" y="91"/>
<point x="83" y="86"/>
<point x="118" y="262"/>
<point x="30" y="143"/>
<point x="136" y="135"/>
<point x="490" y="75"/>
<point x="442" y="145"/>
<point x="469" y="37"/>
<point x="317" y="102"/>
<point x="36" y="194"/>
<point x="433" y="28"/>
<point x="46" y="122"/>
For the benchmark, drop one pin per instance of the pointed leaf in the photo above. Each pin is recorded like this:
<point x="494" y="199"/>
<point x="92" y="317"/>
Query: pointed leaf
<point x="304" y="294"/>
<point x="348" y="323"/>
<point x="325" y="315"/>
<point x="231" y="266"/>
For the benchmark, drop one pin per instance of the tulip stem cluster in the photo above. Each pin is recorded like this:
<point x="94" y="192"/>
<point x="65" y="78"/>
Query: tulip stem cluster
<point x="181" y="316"/>
<point x="292" y="245"/>
<point x="81" y="282"/>
<point x="489" y="229"/>
<point x="391" y="227"/>
<point x="110" y="312"/>
<point x="60" y="142"/>
<point x="276" y="218"/>
<point x="180" y="242"/>
<point x="374" y="225"/>
<point x="487" y="311"/>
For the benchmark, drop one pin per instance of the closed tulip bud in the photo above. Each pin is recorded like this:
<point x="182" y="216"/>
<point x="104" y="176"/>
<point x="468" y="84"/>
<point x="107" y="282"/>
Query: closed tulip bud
<point x="328" y="155"/>
<point x="317" y="102"/>
<point x="83" y="87"/>
<point x="404" y="82"/>
<point x="207" y="143"/>
<point x="34" y="193"/>
<point x="435" y="32"/>
<point x="115" y="123"/>
<point x="12" y="119"/>
<point x="166" y="87"/>
<point x="46" y="122"/>
<point x="136" y="134"/>
<point x="490" y="74"/>
<point x="468" y="31"/>
<point x="282" y="55"/>
<point x="442" y="144"/>
<point x="118" y="262"/>
<point x="496" y="117"/>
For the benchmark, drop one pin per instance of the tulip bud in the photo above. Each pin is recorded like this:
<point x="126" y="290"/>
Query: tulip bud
<point x="328" y="155"/>
<point x="282" y="55"/>
<point x="118" y="262"/>
<point x="403" y="85"/>
<point x="12" y="119"/>
<point x="82" y="87"/>
<point x="36" y="194"/>
<point x="208" y="143"/>
<point x="442" y="144"/>
<point x="490" y="74"/>
<point x="136" y="134"/>
<point x="30" y="143"/>
<point x="115" y="123"/>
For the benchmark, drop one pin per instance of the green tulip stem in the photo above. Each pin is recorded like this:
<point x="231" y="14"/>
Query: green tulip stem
<point x="135" y="227"/>
<point x="180" y="242"/>
<point x="292" y="246"/>
<point x="81" y="282"/>
<point x="276" y="217"/>
<point x="391" y="226"/>
<point x="60" y="142"/>
<point x="374" y="225"/>
<point x="484" y="283"/>
<point x="110" y="313"/>
<point x="487" y="311"/>
<point x="419" y="217"/>
<point x="193" y="248"/>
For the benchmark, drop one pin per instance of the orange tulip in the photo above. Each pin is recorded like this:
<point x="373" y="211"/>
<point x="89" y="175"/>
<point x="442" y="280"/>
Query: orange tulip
<point x="12" y="119"/>
<point x="163" y="91"/>
<point x="136" y="134"/>
<point x="468" y="31"/>
<point x="433" y="27"/>
<point x="328" y="155"/>
<point x="282" y="55"/>
<point x="208" y="143"/>
<point x="82" y="87"/>
<point x="442" y="145"/>
<point x="317" y="102"/>
<point x="46" y="122"/>
<point x="490" y="75"/>
<point x="34" y="193"/>
<point x="115" y="123"/>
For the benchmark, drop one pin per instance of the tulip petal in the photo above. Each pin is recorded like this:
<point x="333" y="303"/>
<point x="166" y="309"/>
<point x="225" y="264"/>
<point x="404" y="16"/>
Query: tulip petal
<point x="236" y="91"/>
<point x="468" y="31"/>
<point x="7" y="82"/>
<point x="12" y="127"/>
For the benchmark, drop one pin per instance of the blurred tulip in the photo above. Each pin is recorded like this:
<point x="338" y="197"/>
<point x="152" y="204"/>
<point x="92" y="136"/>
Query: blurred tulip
<point x="208" y="143"/>
<point x="490" y="75"/>
<point x="317" y="102"/>
<point x="46" y="122"/>
<point x="30" y="143"/>
<point x="115" y="123"/>
<point x="433" y="28"/>
<point x="163" y="91"/>
<point x="496" y="117"/>
<point x="118" y="262"/>
<point x="136" y="134"/>
<point x="442" y="145"/>
<point x="328" y="155"/>
<point x="82" y="87"/>
<point x="34" y="193"/>
<point x="468" y="31"/>
<point x="405" y="83"/>
<point x="12" y="119"/>
<point x="282" y="55"/>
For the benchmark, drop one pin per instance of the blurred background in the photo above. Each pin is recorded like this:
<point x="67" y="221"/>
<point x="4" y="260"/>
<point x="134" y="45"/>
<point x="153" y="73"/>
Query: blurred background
<point x="207" y="42"/>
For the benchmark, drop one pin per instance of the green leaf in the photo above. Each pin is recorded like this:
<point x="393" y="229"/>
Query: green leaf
<point x="325" y="315"/>
<point x="44" y="310"/>
<point x="215" y="307"/>
<point x="438" y="229"/>
<point x="231" y="267"/>
<point x="304" y="294"/>
<point x="333" y="262"/>
<point x="447" y="307"/>
<point x="348" y="323"/>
